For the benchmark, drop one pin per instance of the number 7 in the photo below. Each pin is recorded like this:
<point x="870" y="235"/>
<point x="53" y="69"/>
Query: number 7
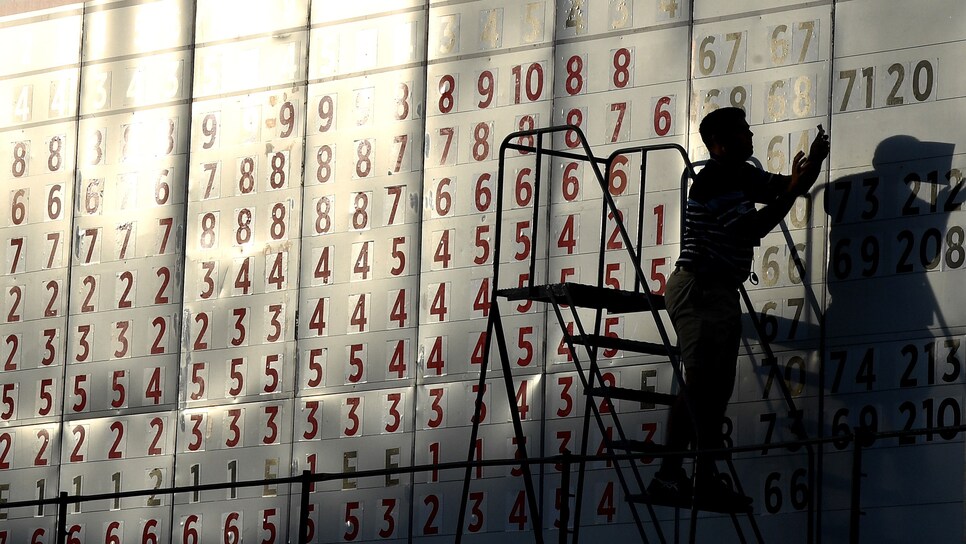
<point x="737" y="38"/>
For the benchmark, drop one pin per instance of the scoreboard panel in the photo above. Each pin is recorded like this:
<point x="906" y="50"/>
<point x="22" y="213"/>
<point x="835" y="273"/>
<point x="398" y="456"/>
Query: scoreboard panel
<point x="261" y="239"/>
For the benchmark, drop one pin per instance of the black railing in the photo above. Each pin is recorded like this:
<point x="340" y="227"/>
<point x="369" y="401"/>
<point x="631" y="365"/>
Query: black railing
<point x="860" y="438"/>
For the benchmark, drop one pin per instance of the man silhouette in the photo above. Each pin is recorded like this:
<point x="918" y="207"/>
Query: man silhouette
<point x="722" y="226"/>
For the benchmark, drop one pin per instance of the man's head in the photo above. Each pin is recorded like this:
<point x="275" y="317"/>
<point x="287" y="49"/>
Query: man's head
<point x="727" y="135"/>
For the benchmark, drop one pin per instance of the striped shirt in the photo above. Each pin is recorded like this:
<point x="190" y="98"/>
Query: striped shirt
<point x="720" y="200"/>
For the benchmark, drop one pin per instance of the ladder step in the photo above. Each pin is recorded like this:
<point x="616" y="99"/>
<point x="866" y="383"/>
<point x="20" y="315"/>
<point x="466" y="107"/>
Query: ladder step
<point x="638" y="446"/>
<point x="610" y="342"/>
<point x="634" y="395"/>
<point x="732" y="508"/>
<point x="585" y="296"/>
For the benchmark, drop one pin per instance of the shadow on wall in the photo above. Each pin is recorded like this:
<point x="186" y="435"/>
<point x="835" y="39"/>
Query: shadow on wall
<point x="890" y="234"/>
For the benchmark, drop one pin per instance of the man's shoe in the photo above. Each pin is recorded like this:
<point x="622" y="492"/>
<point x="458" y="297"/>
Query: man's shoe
<point x="673" y="490"/>
<point x="717" y="496"/>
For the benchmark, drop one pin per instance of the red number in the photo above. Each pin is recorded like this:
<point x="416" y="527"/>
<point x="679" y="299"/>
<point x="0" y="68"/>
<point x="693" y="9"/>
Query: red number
<point x="436" y="408"/>
<point x="481" y="144"/>
<point x="271" y="374"/>
<point x="18" y="210"/>
<point x="402" y="101"/>
<point x="575" y="80"/>
<point x="442" y="254"/>
<point x="286" y="117"/>
<point x="313" y="419"/>
<point x="118" y="382"/>
<point x="397" y="361"/>
<point x="268" y="526"/>
<point x="622" y="63"/>
<point x="485" y="86"/>
<point x="209" y="127"/>
<point x="439" y="308"/>
<point x="449" y="133"/>
<point x="402" y="140"/>
<point x="230" y="532"/>
<point x="165" y="223"/>
<point x="117" y="427"/>
<point x="49" y="348"/>
<point x="358" y="318"/>
<point x="271" y="426"/>
<point x="521" y="398"/>
<point x="621" y="109"/>
<point x="6" y="444"/>
<point x="430" y="528"/>
<point x="154" y="448"/>
<point x="356" y="363"/>
<point x="523" y="190"/>
<point x="243" y="280"/>
<point x="13" y="341"/>
<point x="477" y="522"/>
<point x="149" y="534"/>
<point x="322" y="269"/>
<point x="158" y="346"/>
<point x="200" y="342"/>
<point x="275" y="312"/>
<point x="80" y="434"/>
<point x="447" y="98"/>
<point x="476" y="392"/>
<point x="41" y="458"/>
<point x="91" y="283"/>
<point x="615" y="241"/>
<point x="246" y="179"/>
<point x="482" y="301"/>
<point x="316" y="360"/>
<point x="208" y="236"/>
<point x="566" y="383"/>
<point x="617" y="182"/>
<point x="525" y="346"/>
<point x="518" y="512"/>
<point x="398" y="314"/>
<point x="571" y="183"/>
<point x="360" y="213"/>
<point x="389" y="517"/>
<point x="110" y="537"/>
<point x="45" y="396"/>
<point x="197" y="435"/>
<point x="324" y="156"/>
<point x="164" y="274"/>
<point x="662" y="116"/>
<point x="236" y="373"/>
<point x="523" y="237"/>
<point x="277" y="228"/>
<point x="610" y="279"/>
<point x="190" y="535"/>
<point x="534" y="82"/>
<point x="153" y="389"/>
<point x="323" y="206"/>
<point x="658" y="276"/>
<point x="393" y="400"/>
<point x="437" y="356"/>
<point x="575" y="117"/>
<point x="241" y="315"/>
<point x="353" y="404"/>
<point x="8" y="400"/>
<point x="232" y="417"/>
<point x="399" y="254"/>
<point x="568" y="236"/>
<point x="54" y="203"/>
<point x="444" y="199"/>
<point x="482" y="242"/>
<point x="319" y="317"/>
<point x="276" y="274"/>
<point x="605" y="506"/>
<point x="326" y="113"/>
<point x="476" y="358"/>
<point x="80" y="391"/>
<point x="483" y="195"/>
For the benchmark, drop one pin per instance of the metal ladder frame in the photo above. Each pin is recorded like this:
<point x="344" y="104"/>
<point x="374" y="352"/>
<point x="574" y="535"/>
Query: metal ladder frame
<point x="494" y="324"/>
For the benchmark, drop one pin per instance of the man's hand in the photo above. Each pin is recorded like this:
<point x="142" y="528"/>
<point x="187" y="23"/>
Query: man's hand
<point x="801" y="179"/>
<point x="819" y="148"/>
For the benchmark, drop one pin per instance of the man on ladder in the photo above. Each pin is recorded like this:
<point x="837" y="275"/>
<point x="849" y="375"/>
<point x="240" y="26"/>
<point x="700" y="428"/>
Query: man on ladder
<point x="722" y="227"/>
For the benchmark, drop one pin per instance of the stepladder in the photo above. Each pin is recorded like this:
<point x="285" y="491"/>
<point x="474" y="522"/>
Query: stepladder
<point x="597" y="306"/>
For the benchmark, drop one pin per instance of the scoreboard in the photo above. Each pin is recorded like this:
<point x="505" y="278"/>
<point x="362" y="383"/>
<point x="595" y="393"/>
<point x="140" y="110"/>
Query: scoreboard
<point x="242" y="239"/>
